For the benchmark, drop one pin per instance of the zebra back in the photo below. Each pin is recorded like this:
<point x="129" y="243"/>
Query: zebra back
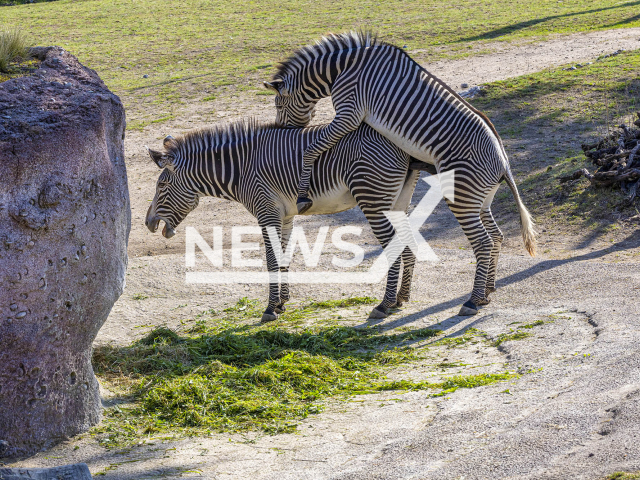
<point x="403" y="100"/>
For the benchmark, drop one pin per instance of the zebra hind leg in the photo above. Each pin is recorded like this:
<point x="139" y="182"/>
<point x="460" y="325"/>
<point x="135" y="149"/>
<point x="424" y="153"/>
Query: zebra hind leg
<point x="408" y="264"/>
<point x="384" y="232"/>
<point x="482" y="245"/>
<point x="390" y="294"/>
<point x="496" y="235"/>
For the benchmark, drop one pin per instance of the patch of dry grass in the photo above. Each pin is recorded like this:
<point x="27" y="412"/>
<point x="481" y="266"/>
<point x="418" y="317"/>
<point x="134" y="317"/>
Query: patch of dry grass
<point x="13" y="47"/>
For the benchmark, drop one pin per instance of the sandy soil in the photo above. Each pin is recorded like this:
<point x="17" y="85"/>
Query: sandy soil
<point x="550" y="425"/>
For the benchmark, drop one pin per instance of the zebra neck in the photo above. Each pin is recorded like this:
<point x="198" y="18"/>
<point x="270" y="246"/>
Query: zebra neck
<point x="217" y="171"/>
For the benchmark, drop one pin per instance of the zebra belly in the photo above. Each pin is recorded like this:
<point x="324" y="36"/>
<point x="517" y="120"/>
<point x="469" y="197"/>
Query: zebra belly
<point x="331" y="202"/>
<point x="403" y="143"/>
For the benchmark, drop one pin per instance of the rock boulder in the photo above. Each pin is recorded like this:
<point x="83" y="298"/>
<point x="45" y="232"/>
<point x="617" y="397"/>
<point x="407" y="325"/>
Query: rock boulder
<point x="64" y="226"/>
<point x="77" y="471"/>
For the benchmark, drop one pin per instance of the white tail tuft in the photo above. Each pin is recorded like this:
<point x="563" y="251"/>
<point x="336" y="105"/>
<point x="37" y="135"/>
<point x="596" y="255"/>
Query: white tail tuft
<point x="526" y="222"/>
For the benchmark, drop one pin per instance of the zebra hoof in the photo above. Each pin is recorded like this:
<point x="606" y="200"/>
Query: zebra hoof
<point x="468" y="308"/>
<point x="280" y="309"/>
<point x="303" y="204"/>
<point x="268" y="317"/>
<point x="484" y="301"/>
<point x="378" y="313"/>
<point x="400" y="301"/>
<point x="489" y="291"/>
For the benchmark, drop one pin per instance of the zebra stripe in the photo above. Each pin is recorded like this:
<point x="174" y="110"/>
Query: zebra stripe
<point x="259" y="166"/>
<point x="377" y="83"/>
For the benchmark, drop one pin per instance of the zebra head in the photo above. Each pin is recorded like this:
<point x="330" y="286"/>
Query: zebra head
<point x="291" y="110"/>
<point x="174" y="197"/>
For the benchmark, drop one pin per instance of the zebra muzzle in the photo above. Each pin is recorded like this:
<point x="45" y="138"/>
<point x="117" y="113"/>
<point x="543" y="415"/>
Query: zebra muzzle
<point x="152" y="225"/>
<point x="167" y="231"/>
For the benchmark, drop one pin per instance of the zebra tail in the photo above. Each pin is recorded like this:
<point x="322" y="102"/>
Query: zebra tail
<point x="526" y="222"/>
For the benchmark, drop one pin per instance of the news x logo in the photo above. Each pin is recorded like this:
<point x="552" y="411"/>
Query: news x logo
<point x="406" y="235"/>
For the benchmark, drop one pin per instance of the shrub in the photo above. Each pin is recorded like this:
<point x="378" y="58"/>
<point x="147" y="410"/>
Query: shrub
<point x="13" y="46"/>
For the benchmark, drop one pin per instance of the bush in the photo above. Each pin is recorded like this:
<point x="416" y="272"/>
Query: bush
<point x="13" y="46"/>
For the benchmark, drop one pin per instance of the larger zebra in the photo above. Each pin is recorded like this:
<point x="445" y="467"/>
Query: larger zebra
<point x="377" y="83"/>
<point x="259" y="166"/>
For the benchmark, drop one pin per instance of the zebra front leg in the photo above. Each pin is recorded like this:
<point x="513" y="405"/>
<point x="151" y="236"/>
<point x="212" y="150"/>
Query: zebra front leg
<point x="342" y="124"/>
<point x="287" y="226"/>
<point x="270" y="314"/>
<point x="304" y="203"/>
<point x="284" y="290"/>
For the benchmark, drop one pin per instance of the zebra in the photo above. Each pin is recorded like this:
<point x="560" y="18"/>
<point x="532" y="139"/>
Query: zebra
<point x="379" y="84"/>
<point x="259" y="166"/>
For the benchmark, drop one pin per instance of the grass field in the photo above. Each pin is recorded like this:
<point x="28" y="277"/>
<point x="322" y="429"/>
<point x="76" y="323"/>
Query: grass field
<point x="188" y="48"/>
<point x="546" y="117"/>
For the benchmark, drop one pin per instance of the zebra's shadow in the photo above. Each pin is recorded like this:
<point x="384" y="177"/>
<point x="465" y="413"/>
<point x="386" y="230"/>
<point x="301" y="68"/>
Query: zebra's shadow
<point x="632" y="241"/>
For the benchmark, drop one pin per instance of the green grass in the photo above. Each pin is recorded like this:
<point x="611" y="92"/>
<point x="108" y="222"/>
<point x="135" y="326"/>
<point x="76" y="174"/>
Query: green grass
<point x="469" y="336"/>
<point x="517" y="334"/>
<point x="14" y="48"/>
<point x="537" y="323"/>
<point x="190" y="49"/>
<point x="606" y="86"/>
<point x="623" y="476"/>
<point x="546" y="117"/>
<point x="507" y="337"/>
<point x="10" y="3"/>
<point x="224" y="374"/>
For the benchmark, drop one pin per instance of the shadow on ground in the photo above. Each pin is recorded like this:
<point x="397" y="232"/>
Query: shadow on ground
<point x="509" y="29"/>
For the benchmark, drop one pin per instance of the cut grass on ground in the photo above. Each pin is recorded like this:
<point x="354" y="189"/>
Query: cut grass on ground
<point x="518" y="334"/>
<point x="191" y="48"/>
<point x="546" y="117"/>
<point x="224" y="374"/>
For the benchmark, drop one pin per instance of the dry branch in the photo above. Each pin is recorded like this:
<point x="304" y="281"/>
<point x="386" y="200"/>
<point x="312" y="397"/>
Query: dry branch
<point x="617" y="161"/>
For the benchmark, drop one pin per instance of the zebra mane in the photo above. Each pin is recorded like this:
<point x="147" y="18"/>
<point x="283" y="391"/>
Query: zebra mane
<point x="201" y="139"/>
<point x="327" y="44"/>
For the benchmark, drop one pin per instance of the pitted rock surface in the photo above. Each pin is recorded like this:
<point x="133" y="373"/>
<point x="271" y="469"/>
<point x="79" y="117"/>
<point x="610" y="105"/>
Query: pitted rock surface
<point x="78" y="471"/>
<point x="64" y="227"/>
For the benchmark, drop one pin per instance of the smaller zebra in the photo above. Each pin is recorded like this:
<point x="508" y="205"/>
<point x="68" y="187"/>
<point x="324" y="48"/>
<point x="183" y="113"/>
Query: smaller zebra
<point x="259" y="166"/>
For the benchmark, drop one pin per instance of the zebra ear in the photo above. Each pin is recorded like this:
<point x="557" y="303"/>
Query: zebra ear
<point x="168" y="141"/>
<point x="274" y="86"/>
<point x="162" y="160"/>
